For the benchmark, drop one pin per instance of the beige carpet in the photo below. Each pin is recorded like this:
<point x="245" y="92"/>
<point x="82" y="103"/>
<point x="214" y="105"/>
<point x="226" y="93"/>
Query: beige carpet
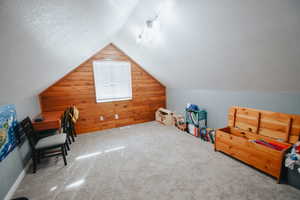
<point x="148" y="161"/>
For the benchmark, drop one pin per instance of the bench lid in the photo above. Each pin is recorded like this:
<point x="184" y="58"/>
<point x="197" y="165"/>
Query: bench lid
<point x="280" y="126"/>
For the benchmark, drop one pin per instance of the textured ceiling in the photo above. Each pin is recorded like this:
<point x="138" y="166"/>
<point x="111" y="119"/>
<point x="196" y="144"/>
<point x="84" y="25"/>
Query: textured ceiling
<point x="230" y="44"/>
<point x="40" y="41"/>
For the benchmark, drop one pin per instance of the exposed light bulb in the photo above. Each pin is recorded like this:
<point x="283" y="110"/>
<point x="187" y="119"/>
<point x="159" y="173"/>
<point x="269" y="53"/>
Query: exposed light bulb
<point x="149" y="32"/>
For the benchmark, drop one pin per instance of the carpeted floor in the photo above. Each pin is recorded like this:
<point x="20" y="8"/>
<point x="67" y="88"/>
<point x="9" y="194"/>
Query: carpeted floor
<point x="148" y="161"/>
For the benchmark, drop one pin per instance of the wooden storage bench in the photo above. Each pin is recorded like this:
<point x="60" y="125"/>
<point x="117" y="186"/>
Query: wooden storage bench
<point x="246" y="125"/>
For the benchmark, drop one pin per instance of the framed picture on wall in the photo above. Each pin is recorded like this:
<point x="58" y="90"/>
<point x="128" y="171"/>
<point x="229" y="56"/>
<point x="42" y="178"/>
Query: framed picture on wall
<point x="8" y="122"/>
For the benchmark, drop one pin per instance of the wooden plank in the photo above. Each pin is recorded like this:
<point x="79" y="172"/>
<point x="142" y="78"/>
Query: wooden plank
<point x="234" y="117"/>
<point x="271" y="124"/>
<point x="258" y="122"/>
<point x="246" y="112"/>
<point x="288" y="130"/>
<point x="269" y="166"/>
<point x="272" y="134"/>
<point x="269" y="163"/>
<point x="250" y="147"/>
<point x="77" y="88"/>
<point x="246" y="126"/>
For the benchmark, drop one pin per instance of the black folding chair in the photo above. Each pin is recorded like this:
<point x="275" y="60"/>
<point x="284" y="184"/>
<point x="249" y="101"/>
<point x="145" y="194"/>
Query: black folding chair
<point x="54" y="145"/>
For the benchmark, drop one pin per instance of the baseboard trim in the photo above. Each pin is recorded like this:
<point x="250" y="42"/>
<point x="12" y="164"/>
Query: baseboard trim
<point x="16" y="184"/>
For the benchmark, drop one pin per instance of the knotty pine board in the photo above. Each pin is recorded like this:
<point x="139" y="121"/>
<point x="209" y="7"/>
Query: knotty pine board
<point x="282" y="126"/>
<point x="77" y="88"/>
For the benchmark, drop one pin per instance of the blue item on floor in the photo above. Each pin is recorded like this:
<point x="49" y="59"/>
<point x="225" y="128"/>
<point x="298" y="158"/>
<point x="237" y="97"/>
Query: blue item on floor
<point x="193" y="107"/>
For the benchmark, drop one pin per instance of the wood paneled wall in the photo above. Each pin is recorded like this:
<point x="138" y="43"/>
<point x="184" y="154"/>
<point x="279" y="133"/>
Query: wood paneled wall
<point x="77" y="88"/>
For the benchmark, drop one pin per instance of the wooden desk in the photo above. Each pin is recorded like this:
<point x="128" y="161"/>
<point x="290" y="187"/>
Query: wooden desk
<point x="51" y="121"/>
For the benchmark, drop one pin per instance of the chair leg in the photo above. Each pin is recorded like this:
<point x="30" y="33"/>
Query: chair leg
<point x="71" y="131"/>
<point x="72" y="136"/>
<point x="63" y="154"/>
<point x="68" y="138"/>
<point x="38" y="155"/>
<point x="74" y="132"/>
<point x="65" y="149"/>
<point x="34" y="161"/>
<point x="67" y="145"/>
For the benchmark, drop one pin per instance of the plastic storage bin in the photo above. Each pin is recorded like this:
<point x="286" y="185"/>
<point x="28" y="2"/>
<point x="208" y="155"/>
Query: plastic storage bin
<point x="293" y="177"/>
<point x="200" y="117"/>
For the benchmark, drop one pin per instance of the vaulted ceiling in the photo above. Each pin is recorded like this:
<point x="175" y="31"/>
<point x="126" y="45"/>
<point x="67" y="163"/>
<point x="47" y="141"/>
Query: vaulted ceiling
<point x="201" y="44"/>
<point x="40" y="41"/>
<point x="229" y="44"/>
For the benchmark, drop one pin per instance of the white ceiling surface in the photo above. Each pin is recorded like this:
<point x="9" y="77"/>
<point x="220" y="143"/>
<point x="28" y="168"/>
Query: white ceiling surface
<point x="229" y="44"/>
<point x="40" y="41"/>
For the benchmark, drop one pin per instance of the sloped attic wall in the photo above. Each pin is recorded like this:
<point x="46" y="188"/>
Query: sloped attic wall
<point x="242" y="52"/>
<point x="40" y="41"/>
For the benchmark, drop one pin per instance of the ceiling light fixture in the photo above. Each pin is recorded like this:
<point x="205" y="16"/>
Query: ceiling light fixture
<point x="150" y="29"/>
<point x="151" y="32"/>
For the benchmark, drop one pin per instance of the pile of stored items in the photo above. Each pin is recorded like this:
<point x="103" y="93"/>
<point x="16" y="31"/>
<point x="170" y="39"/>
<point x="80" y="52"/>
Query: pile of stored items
<point x="195" y="118"/>
<point x="164" y="116"/>
<point x="292" y="161"/>
<point x="194" y="122"/>
<point x="179" y="122"/>
<point x="293" y="158"/>
<point x="208" y="134"/>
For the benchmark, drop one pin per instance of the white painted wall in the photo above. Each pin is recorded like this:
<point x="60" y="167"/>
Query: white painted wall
<point x="229" y="44"/>
<point x="218" y="102"/>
